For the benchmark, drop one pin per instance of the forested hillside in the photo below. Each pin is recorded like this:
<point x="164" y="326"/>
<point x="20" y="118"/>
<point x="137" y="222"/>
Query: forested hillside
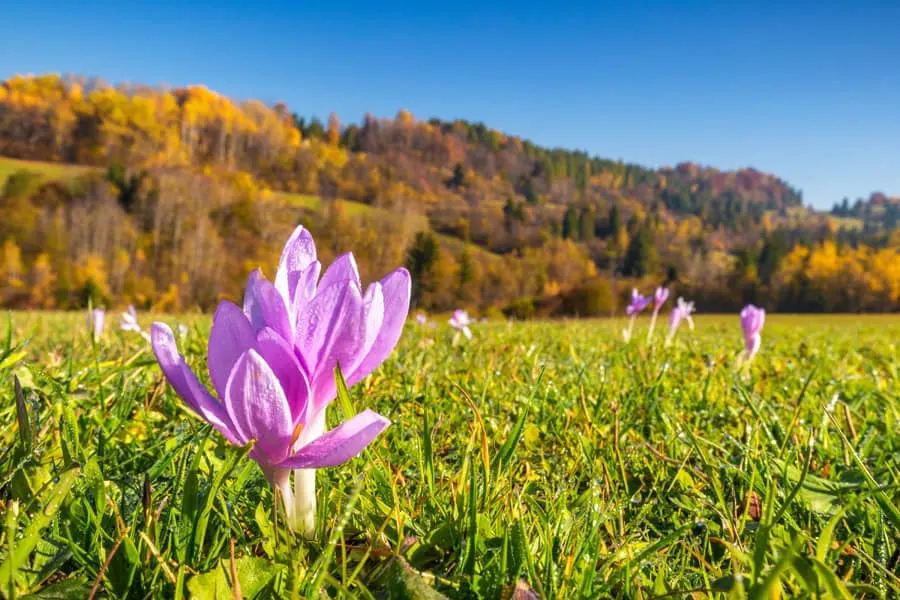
<point x="165" y="197"/>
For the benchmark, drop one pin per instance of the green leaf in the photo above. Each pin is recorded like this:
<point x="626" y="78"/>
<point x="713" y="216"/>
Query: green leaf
<point x="62" y="590"/>
<point x="427" y="451"/>
<point x="468" y="563"/>
<point x="33" y="533"/>
<point x="255" y="575"/>
<point x="343" y="393"/>
<point x="831" y="581"/>
<point x="26" y="435"/>
<point x="405" y="583"/>
<point x="502" y="459"/>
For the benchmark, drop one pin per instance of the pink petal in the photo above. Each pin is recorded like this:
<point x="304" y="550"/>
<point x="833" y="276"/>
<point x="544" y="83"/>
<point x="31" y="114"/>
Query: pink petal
<point x="185" y="383"/>
<point x="329" y="332"/>
<point x="343" y="269"/>
<point x="230" y="337"/>
<point x="264" y="306"/>
<point x="304" y="286"/>
<point x="340" y="444"/>
<point x="395" y="289"/>
<point x="299" y="252"/>
<point x="372" y="319"/>
<point x="258" y="408"/>
<point x="280" y="357"/>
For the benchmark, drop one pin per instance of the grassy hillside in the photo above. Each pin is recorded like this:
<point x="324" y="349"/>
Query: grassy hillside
<point x="50" y="171"/>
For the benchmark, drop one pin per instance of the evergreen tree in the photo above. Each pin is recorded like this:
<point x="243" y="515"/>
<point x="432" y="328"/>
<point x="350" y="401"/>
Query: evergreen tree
<point x="640" y="254"/>
<point x="587" y="223"/>
<point x="420" y="259"/>
<point x="570" y="224"/>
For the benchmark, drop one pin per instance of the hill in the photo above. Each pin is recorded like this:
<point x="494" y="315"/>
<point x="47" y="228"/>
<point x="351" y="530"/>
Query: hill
<point x="482" y="218"/>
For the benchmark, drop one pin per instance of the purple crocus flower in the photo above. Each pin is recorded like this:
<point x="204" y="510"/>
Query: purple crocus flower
<point x="95" y="320"/>
<point x="421" y="319"/>
<point x="636" y="306"/>
<point x="638" y="303"/>
<point x="461" y="321"/>
<point x="752" y="320"/>
<point x="659" y="298"/>
<point x="272" y="366"/>
<point x="128" y="322"/>
<point x="681" y="312"/>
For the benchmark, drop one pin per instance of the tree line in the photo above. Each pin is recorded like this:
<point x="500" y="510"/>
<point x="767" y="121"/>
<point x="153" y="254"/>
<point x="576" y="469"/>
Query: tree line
<point x="188" y="190"/>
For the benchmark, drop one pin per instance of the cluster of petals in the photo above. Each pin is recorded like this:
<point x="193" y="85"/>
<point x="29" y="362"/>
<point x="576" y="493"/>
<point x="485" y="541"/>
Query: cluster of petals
<point x="460" y="320"/>
<point x="752" y="320"/>
<point x="95" y="320"/>
<point x="638" y="303"/>
<point x="272" y="361"/>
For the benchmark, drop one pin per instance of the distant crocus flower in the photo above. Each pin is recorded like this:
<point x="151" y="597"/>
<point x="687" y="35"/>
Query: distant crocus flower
<point x="272" y="365"/>
<point x="421" y="319"/>
<point x="682" y="311"/>
<point x="461" y="321"/>
<point x="752" y="320"/>
<point x="635" y="307"/>
<point x="659" y="298"/>
<point x="128" y="322"/>
<point x="95" y="320"/>
<point x="182" y="330"/>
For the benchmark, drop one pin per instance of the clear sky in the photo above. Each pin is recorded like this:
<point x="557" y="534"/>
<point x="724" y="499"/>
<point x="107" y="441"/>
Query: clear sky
<point x="807" y="90"/>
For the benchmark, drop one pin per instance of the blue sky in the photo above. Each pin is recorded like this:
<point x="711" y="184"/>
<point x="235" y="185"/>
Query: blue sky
<point x="809" y="91"/>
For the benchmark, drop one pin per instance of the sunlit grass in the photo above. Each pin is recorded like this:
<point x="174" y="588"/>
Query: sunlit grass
<point x="49" y="171"/>
<point x="549" y="454"/>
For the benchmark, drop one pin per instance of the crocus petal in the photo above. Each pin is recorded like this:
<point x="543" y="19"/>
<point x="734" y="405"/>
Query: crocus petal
<point x="329" y="332"/>
<point x="343" y="269"/>
<point x="340" y="444"/>
<point x="372" y="319"/>
<point x="395" y="290"/>
<point x="279" y="355"/>
<point x="264" y="306"/>
<point x="760" y="319"/>
<point x="305" y="285"/>
<point x="258" y="408"/>
<point x="230" y="337"/>
<point x="298" y="253"/>
<point x="185" y="383"/>
<point x="675" y="317"/>
<point x="753" y="345"/>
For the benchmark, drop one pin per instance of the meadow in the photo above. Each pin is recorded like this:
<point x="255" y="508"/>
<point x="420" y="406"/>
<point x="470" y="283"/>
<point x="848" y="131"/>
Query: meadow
<point x="539" y="459"/>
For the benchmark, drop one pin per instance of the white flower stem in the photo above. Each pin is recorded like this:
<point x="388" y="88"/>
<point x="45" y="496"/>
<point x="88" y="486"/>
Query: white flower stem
<point x="627" y="332"/>
<point x="305" y="502"/>
<point x="281" y="484"/>
<point x="652" y="325"/>
<point x="671" y="335"/>
<point x="305" y="482"/>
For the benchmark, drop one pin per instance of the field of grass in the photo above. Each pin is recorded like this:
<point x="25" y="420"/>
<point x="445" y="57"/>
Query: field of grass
<point x="539" y="458"/>
<point x="50" y="171"/>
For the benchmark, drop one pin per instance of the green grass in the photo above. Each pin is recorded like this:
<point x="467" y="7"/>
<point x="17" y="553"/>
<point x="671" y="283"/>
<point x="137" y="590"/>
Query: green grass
<point x="311" y="202"/>
<point x="50" y="171"/>
<point x="548" y="454"/>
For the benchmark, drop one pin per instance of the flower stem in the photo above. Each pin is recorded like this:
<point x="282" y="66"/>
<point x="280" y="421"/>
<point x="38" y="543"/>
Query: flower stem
<point x="305" y="502"/>
<point x="281" y="484"/>
<point x="305" y="482"/>
<point x="671" y="335"/>
<point x="627" y="332"/>
<point x="652" y="325"/>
